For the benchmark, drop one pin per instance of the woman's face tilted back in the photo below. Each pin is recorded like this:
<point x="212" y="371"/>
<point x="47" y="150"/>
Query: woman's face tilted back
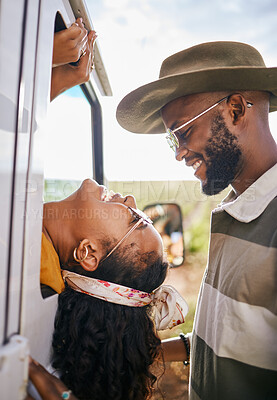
<point x="89" y="214"/>
<point x="88" y="329"/>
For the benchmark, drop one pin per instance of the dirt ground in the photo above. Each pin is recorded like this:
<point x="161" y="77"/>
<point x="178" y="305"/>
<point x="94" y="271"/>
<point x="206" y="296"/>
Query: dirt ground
<point x="173" y="385"/>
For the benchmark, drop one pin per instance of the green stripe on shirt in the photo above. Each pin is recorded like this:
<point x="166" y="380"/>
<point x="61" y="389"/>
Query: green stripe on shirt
<point x="227" y="379"/>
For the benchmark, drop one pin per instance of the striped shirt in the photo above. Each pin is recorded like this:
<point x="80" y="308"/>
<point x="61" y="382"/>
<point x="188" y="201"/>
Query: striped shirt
<point x="234" y="344"/>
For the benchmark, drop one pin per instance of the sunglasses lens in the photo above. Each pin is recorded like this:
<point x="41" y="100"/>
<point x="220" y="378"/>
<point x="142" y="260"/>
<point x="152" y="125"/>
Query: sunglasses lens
<point x="171" y="145"/>
<point x="141" y="214"/>
<point x="172" y="140"/>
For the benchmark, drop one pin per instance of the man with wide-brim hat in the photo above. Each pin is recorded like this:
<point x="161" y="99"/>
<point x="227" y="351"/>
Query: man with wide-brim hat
<point x="213" y="101"/>
<point x="208" y="67"/>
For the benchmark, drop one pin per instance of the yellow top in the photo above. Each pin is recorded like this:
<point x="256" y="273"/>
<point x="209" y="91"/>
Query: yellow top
<point x="50" y="270"/>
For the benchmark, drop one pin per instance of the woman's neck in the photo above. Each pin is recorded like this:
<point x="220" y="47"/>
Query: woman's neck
<point x="57" y="230"/>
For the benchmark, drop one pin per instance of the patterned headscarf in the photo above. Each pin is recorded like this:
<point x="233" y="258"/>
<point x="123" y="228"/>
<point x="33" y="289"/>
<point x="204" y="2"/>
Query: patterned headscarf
<point x="169" y="307"/>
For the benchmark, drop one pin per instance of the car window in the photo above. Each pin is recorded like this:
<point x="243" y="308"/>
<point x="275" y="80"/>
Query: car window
<point x="68" y="144"/>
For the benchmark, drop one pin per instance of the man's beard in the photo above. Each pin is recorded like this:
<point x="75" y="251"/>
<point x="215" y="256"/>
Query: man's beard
<point x="223" y="157"/>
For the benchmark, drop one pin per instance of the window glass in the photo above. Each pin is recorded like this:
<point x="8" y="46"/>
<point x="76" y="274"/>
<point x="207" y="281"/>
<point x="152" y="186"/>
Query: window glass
<point x="68" y="144"/>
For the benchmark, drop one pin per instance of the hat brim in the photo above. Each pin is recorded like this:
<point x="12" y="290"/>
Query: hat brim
<point x="139" y="111"/>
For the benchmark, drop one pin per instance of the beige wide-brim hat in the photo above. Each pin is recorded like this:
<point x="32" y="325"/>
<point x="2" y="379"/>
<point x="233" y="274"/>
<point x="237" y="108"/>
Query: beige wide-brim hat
<point x="207" y="67"/>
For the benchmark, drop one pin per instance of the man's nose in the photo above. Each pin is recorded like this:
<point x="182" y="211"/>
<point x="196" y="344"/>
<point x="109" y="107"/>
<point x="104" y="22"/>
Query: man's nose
<point x="181" y="152"/>
<point x="130" y="201"/>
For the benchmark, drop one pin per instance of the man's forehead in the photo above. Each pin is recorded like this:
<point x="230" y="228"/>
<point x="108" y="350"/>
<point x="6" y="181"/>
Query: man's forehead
<point x="177" y="108"/>
<point x="182" y="109"/>
<point x="182" y="101"/>
<point x="193" y="98"/>
<point x="186" y="105"/>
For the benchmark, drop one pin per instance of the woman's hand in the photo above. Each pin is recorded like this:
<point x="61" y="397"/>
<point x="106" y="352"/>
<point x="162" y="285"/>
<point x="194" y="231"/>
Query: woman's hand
<point x="69" y="44"/>
<point x="66" y="76"/>
<point x="48" y="386"/>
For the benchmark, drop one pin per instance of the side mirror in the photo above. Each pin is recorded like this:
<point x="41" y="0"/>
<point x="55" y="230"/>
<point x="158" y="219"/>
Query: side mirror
<point x="167" y="219"/>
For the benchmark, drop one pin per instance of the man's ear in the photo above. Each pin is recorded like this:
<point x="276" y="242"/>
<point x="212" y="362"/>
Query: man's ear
<point x="88" y="255"/>
<point x="237" y="107"/>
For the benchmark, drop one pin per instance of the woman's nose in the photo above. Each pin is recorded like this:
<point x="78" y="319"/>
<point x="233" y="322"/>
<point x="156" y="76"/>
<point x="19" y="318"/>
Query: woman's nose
<point x="130" y="201"/>
<point x="181" y="152"/>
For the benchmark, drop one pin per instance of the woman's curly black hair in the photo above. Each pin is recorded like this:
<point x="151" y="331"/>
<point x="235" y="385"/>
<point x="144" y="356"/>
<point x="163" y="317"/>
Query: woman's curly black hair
<point x="104" y="350"/>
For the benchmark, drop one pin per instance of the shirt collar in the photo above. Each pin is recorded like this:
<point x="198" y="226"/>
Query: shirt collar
<point x="254" y="200"/>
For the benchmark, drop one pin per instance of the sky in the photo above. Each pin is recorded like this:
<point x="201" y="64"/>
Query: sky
<point x="135" y="36"/>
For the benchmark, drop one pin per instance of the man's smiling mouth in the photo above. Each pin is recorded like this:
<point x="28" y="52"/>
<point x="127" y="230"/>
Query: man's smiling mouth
<point x="194" y="164"/>
<point x="197" y="164"/>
